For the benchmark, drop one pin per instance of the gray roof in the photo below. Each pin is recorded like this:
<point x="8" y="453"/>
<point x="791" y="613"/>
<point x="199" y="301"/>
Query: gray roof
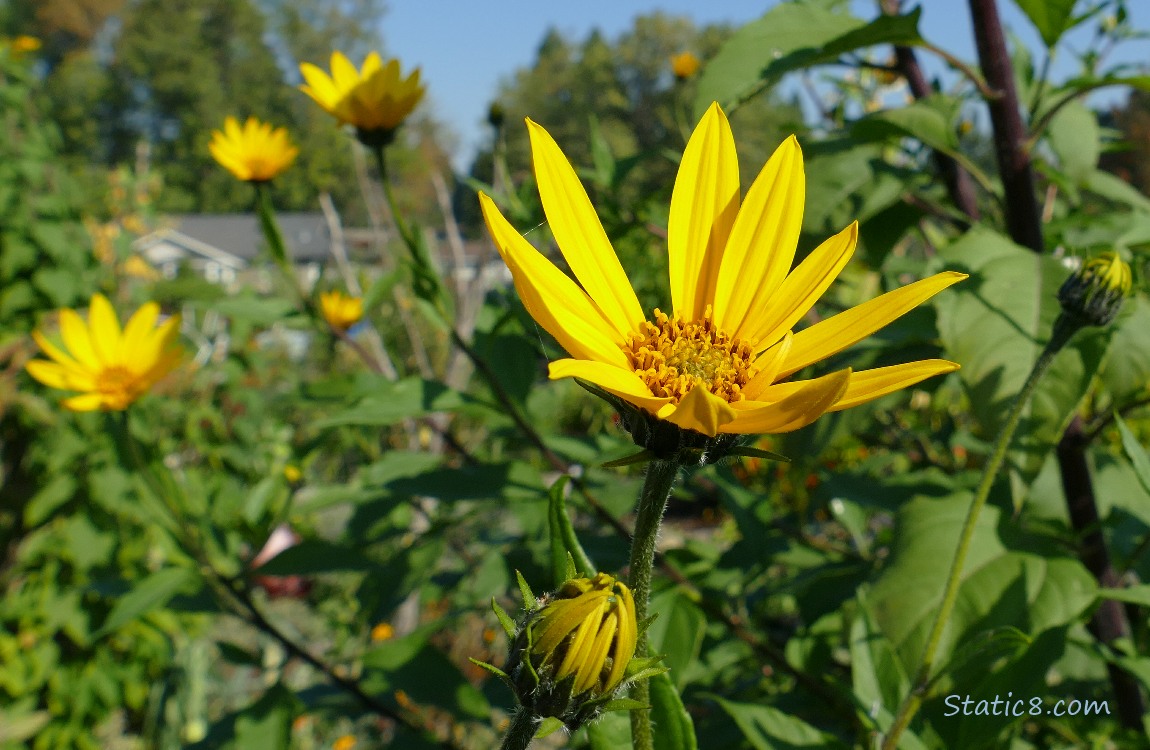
<point x="305" y="234"/>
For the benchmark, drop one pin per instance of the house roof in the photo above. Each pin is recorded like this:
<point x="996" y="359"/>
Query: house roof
<point x="236" y="239"/>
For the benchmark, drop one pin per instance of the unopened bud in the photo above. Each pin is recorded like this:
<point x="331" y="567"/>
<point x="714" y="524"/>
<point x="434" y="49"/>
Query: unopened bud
<point x="1094" y="294"/>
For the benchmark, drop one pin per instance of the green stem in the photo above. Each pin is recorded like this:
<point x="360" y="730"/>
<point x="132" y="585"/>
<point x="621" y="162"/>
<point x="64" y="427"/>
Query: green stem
<point x="1064" y="328"/>
<point x="652" y="504"/>
<point x="521" y="732"/>
<point x="401" y="226"/>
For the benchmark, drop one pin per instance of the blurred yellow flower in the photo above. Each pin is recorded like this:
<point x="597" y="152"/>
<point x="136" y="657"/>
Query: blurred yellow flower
<point x="111" y="368"/>
<point x="138" y="268"/>
<point x="375" y="99"/>
<point x="382" y="632"/>
<point x="720" y="362"/>
<point x="292" y="473"/>
<point x="346" y="742"/>
<point x="684" y="65"/>
<point x="341" y="311"/>
<point x="254" y="153"/>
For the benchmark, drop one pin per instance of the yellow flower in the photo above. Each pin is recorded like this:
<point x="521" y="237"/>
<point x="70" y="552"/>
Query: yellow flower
<point x="111" y="368"/>
<point x="684" y="65"/>
<point x="720" y="362"/>
<point x="346" y="742"/>
<point x="254" y="153"/>
<point x="292" y="473"/>
<point x="24" y="44"/>
<point x="340" y="310"/>
<point x="375" y="99"/>
<point x="381" y="632"/>
<point x="586" y="632"/>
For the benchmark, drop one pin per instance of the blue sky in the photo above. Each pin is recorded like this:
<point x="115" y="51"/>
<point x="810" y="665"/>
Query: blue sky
<point x="465" y="47"/>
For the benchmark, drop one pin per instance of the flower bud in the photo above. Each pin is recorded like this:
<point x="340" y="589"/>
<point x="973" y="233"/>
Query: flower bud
<point x="571" y="654"/>
<point x="684" y="65"/>
<point x="1094" y="294"/>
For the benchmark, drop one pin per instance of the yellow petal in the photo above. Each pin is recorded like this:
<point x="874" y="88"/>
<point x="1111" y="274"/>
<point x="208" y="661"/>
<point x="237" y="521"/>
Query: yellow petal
<point x="762" y="244"/>
<point x="768" y="364"/>
<point x="104" y="329"/>
<point x="343" y="72"/>
<point x="621" y="382"/>
<point x="553" y="300"/>
<point x="77" y="339"/>
<point x="701" y="411"/>
<point x="592" y="665"/>
<point x="868" y="385"/>
<point x="801" y="289"/>
<point x="84" y="402"/>
<point x="704" y="203"/>
<point x="625" y="642"/>
<point x="834" y="334"/>
<point x="799" y="408"/>
<point x="58" y="376"/>
<point x="580" y="235"/>
<point x="58" y="354"/>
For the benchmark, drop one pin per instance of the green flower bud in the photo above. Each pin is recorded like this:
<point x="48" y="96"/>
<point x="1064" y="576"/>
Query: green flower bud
<point x="1094" y="294"/>
<point x="571" y="653"/>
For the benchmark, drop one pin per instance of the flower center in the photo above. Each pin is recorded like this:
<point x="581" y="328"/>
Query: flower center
<point x="672" y="357"/>
<point x="115" y="381"/>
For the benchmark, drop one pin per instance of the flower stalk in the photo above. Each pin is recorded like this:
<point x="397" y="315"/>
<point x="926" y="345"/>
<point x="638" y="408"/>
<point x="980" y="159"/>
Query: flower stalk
<point x="521" y="732"/>
<point x="649" y="517"/>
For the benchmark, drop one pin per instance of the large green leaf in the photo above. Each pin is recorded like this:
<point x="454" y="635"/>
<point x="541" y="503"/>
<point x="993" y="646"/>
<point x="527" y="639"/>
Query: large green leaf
<point x="767" y="728"/>
<point x="995" y="325"/>
<point x="677" y="632"/>
<point x="1008" y="580"/>
<point x="789" y="37"/>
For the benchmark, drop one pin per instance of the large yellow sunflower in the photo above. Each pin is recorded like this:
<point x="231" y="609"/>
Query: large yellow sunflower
<point x="374" y="99"/>
<point x="720" y="362"/>
<point x="110" y="367"/>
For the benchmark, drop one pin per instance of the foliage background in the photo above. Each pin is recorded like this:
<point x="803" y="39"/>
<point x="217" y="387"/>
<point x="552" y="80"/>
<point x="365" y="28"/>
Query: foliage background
<point x="793" y="599"/>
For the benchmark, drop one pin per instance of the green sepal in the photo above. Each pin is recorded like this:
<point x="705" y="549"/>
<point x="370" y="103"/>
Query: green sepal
<point x="492" y="669"/>
<point x="749" y="452"/>
<point x="646" y="674"/>
<point x="569" y="570"/>
<point x="504" y="619"/>
<point x="638" y="665"/>
<point x="642" y="457"/>
<point x="645" y="623"/>
<point x="529" y="601"/>
<point x="625" y="704"/>
<point x="548" y="726"/>
<point x="565" y="544"/>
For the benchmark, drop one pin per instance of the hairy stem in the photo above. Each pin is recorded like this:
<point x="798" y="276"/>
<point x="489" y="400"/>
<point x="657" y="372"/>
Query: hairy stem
<point x="649" y="516"/>
<point x="521" y="732"/>
<point x="1063" y="330"/>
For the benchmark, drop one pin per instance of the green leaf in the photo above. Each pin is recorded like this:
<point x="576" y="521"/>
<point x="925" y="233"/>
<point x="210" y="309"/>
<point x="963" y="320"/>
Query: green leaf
<point x="313" y="556"/>
<point x="1139" y="594"/>
<point x="55" y="492"/>
<point x="266" y="724"/>
<point x="929" y="120"/>
<point x="1135" y="452"/>
<point x="564" y="543"/>
<point x="550" y="725"/>
<point x="675" y="729"/>
<point x="677" y="633"/>
<point x="995" y="324"/>
<point x="254" y="310"/>
<point x="1127" y="368"/>
<point x="1074" y="136"/>
<point x="1009" y="579"/>
<point x="612" y="731"/>
<point x="1051" y="17"/>
<point x="1116" y="189"/>
<point x="768" y="728"/>
<point x="394" y="402"/>
<point x="791" y="36"/>
<point x="151" y="593"/>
